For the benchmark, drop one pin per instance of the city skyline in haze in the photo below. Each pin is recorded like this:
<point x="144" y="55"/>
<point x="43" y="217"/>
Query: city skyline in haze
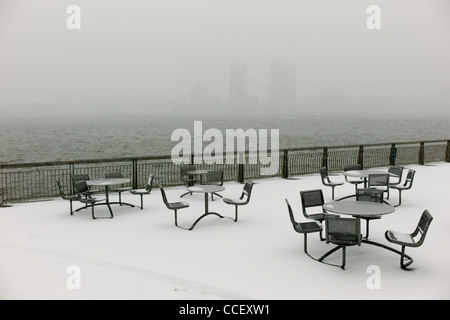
<point x="153" y="53"/>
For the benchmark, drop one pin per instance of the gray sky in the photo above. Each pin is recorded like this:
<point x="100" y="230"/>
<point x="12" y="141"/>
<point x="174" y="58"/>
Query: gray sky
<point x="140" y="50"/>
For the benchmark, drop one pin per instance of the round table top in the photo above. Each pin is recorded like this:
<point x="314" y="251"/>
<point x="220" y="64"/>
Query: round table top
<point x="363" y="173"/>
<point x="206" y="188"/>
<point x="197" y="171"/>
<point x="107" y="181"/>
<point x="358" y="208"/>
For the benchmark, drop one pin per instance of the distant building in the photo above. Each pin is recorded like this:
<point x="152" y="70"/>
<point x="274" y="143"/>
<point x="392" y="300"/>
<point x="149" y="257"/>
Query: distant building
<point x="282" y="85"/>
<point x="238" y="95"/>
<point x="200" y="98"/>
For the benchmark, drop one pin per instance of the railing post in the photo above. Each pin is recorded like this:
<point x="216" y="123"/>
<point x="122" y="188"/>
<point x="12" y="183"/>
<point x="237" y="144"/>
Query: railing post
<point x="361" y="155"/>
<point x="240" y="161"/>
<point x="325" y="157"/>
<point x="135" y="174"/>
<point x="285" y="171"/>
<point x="72" y="172"/>
<point x="393" y="155"/>
<point x="422" y="153"/>
<point x="1" y="187"/>
<point x="447" y="152"/>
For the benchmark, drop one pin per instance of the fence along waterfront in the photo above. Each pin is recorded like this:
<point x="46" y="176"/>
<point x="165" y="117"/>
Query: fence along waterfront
<point x="28" y="181"/>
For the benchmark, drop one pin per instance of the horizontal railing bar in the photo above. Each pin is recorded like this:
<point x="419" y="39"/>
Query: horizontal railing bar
<point x="36" y="180"/>
<point x="165" y="157"/>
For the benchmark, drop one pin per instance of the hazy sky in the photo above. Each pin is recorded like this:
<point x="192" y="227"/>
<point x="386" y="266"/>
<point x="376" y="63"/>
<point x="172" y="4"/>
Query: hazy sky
<point x="157" y="49"/>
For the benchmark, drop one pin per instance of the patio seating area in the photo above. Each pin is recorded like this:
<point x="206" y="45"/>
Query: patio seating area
<point x="140" y="254"/>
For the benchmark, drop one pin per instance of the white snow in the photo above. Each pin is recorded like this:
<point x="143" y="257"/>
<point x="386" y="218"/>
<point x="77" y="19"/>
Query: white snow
<point x="140" y="254"/>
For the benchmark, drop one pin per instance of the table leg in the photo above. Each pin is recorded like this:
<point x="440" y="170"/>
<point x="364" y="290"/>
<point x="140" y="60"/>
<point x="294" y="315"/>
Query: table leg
<point x="206" y="203"/>
<point x="120" y="202"/>
<point x="207" y="213"/>
<point x="107" y="194"/>
<point x="107" y="201"/>
<point x="386" y="247"/>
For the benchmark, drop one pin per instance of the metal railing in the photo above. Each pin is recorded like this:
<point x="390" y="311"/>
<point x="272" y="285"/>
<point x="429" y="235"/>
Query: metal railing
<point x="27" y="181"/>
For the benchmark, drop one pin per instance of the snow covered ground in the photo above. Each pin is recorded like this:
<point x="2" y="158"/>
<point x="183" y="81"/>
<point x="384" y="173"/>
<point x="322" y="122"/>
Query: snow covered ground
<point x="47" y="254"/>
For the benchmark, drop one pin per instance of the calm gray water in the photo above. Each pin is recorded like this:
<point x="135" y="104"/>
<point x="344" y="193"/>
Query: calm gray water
<point x="94" y="137"/>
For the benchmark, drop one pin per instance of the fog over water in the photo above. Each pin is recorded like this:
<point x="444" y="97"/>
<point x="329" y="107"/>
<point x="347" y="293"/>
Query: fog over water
<point x="79" y="138"/>
<point x="149" y="54"/>
<point x="229" y="63"/>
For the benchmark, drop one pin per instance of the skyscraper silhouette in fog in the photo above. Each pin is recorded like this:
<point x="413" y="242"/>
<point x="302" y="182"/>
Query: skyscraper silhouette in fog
<point x="282" y="85"/>
<point x="238" y="87"/>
